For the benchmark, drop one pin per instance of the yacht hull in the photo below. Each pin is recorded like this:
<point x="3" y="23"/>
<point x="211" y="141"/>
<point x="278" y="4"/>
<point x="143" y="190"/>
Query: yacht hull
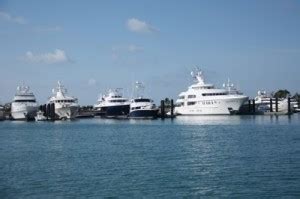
<point x="144" y="114"/>
<point x="219" y="107"/>
<point x="23" y="112"/>
<point x="116" y="111"/>
<point x="68" y="112"/>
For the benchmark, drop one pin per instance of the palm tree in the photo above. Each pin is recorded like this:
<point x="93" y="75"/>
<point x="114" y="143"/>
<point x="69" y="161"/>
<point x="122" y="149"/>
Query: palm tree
<point x="282" y="94"/>
<point x="167" y="102"/>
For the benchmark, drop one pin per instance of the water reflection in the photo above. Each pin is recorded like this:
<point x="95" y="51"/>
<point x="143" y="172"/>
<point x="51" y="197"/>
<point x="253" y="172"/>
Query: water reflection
<point x="237" y="119"/>
<point x="208" y="120"/>
<point x="179" y="120"/>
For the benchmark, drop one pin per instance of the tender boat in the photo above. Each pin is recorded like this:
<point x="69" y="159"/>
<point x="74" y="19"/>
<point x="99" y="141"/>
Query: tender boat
<point x="141" y="107"/>
<point x="40" y="116"/>
<point x="112" y="104"/>
<point x="66" y="107"/>
<point x="204" y="98"/>
<point x="24" y="105"/>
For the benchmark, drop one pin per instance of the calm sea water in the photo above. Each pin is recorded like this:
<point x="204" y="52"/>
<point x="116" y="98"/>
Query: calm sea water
<point x="237" y="156"/>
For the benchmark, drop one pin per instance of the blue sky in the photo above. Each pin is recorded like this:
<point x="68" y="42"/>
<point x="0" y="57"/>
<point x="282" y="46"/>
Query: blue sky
<point x="95" y="45"/>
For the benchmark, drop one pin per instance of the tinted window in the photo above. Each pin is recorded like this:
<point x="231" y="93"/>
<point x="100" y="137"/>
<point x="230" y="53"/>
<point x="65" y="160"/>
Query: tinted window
<point x="24" y="100"/>
<point x="142" y="100"/>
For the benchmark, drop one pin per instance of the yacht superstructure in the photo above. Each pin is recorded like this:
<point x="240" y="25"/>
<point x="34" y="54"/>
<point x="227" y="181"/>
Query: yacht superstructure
<point x="141" y="107"/>
<point x="203" y="98"/>
<point x="24" y="105"/>
<point x="113" y="104"/>
<point x="66" y="107"/>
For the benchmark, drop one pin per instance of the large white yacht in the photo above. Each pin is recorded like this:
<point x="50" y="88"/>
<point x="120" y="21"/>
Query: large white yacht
<point x="24" y="105"/>
<point x="140" y="106"/>
<point x="66" y="107"/>
<point x="203" y="98"/>
<point x="112" y="104"/>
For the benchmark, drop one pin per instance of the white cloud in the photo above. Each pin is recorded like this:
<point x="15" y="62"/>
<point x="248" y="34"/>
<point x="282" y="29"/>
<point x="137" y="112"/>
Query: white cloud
<point x="15" y="19"/>
<point x="48" y="29"/>
<point x="136" y="25"/>
<point x="58" y="56"/>
<point x="92" y="82"/>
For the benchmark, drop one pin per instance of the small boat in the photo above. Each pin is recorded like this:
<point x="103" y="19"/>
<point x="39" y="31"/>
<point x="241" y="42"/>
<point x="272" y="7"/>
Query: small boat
<point x="40" y="116"/>
<point x="141" y="107"/>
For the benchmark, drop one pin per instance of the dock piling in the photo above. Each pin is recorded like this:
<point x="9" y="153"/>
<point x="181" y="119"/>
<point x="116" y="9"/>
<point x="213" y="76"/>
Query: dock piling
<point x="172" y="108"/>
<point x="44" y="109"/>
<point x="289" y="105"/>
<point x="249" y="106"/>
<point x="276" y="104"/>
<point x="253" y="105"/>
<point x="52" y="111"/>
<point x="271" y="105"/>
<point x="162" y="109"/>
<point x="48" y="111"/>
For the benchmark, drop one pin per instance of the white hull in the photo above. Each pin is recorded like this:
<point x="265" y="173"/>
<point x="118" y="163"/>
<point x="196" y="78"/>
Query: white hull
<point x="219" y="107"/>
<point x="68" y="112"/>
<point x="22" y="112"/>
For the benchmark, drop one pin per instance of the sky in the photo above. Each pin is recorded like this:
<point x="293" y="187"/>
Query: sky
<point x="91" y="46"/>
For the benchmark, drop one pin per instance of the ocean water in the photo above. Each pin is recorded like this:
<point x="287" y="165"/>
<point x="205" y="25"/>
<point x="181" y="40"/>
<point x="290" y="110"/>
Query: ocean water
<point x="223" y="156"/>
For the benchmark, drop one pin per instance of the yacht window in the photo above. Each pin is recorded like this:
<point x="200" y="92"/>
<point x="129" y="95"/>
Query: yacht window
<point x="25" y="101"/>
<point x="117" y="100"/>
<point x="191" y="103"/>
<point x="179" y="104"/>
<point x="191" y="96"/>
<point x="181" y="97"/>
<point x="142" y="100"/>
<point x="212" y="94"/>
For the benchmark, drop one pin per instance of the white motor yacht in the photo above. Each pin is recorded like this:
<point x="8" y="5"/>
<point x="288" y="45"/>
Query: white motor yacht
<point x="24" y="105"/>
<point x="141" y="107"/>
<point x="66" y="107"/>
<point x="112" y="104"/>
<point x="204" y="98"/>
